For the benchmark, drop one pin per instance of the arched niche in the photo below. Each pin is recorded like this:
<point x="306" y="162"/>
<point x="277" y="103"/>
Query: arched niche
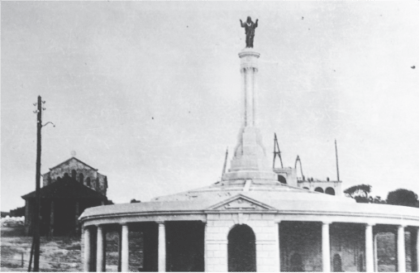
<point x="337" y="265"/>
<point x="330" y="191"/>
<point x="241" y="249"/>
<point x="319" y="189"/>
<point x="281" y="179"/>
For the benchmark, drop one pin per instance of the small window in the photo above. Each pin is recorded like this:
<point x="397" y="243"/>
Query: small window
<point x="81" y="178"/>
<point x="73" y="174"/>
<point x="88" y="182"/>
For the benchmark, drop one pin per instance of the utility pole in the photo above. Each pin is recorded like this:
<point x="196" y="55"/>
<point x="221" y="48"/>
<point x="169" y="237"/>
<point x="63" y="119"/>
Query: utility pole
<point x="37" y="187"/>
<point x="36" y="223"/>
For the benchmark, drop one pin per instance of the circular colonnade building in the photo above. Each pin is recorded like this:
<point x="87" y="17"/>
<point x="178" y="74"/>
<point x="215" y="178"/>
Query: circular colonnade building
<point x="249" y="221"/>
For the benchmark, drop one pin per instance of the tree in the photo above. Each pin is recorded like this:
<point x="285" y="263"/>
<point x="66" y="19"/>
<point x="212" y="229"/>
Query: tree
<point x="360" y="193"/>
<point x="403" y="197"/>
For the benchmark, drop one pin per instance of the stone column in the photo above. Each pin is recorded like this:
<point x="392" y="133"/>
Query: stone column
<point x="100" y="250"/>
<point x="267" y="246"/>
<point x="52" y="218"/>
<point x="161" y="247"/>
<point x="124" y="248"/>
<point x="278" y="254"/>
<point x="401" y="249"/>
<point x="375" y="252"/>
<point x="216" y="245"/>
<point x="369" y="248"/>
<point x="326" y="260"/>
<point x="87" y="258"/>
<point x="249" y="160"/>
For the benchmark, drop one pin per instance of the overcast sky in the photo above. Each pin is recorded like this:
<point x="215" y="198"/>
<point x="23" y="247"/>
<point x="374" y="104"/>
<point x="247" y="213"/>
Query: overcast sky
<point x="149" y="92"/>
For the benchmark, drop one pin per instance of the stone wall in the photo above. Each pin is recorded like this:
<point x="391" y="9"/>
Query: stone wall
<point x="84" y="174"/>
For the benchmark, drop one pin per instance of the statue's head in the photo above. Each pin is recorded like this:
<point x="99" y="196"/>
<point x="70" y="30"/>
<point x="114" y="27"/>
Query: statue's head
<point x="248" y="20"/>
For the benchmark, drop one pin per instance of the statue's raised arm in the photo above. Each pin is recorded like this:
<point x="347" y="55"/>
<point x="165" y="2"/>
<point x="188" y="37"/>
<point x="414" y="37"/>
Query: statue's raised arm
<point x="250" y="27"/>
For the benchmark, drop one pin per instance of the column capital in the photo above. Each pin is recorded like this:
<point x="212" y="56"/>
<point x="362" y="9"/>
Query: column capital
<point x="160" y="222"/>
<point x="370" y="224"/>
<point x="326" y="222"/>
<point x="401" y="226"/>
<point x="123" y="224"/>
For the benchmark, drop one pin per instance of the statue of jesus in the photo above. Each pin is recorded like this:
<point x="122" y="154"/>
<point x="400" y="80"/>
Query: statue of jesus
<point x="249" y="31"/>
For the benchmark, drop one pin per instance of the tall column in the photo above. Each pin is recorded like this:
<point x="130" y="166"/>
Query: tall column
<point x="100" y="250"/>
<point x="52" y="218"/>
<point x="249" y="161"/>
<point x="87" y="258"/>
<point x="326" y="260"/>
<point x="161" y="247"/>
<point x="375" y="253"/>
<point x="124" y="248"/>
<point x="401" y="249"/>
<point x="278" y="243"/>
<point x="369" y="248"/>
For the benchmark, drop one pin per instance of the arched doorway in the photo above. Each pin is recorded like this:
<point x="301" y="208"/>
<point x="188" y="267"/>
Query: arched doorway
<point x="241" y="249"/>
<point x="296" y="264"/>
<point x="337" y="266"/>
<point x="319" y="189"/>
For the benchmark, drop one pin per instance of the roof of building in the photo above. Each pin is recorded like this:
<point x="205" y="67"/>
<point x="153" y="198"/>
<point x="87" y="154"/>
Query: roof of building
<point x="268" y="199"/>
<point x="74" y="159"/>
<point x="67" y="187"/>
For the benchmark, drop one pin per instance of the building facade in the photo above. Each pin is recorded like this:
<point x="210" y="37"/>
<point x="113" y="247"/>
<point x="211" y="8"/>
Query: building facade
<point x="67" y="190"/>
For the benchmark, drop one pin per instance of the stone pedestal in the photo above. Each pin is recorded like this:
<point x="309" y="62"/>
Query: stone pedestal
<point x="249" y="161"/>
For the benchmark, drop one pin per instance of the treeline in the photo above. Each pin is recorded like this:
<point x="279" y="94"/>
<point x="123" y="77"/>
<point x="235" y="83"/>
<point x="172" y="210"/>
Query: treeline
<point x="402" y="197"/>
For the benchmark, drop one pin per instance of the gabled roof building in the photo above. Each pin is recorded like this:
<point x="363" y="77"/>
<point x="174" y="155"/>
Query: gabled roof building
<point x="68" y="189"/>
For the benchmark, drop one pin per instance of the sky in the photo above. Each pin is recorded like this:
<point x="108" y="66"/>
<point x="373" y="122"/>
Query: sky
<point x="149" y="92"/>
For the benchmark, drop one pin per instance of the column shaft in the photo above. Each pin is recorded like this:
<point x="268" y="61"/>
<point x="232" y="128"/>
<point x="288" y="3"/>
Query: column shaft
<point x="326" y="263"/>
<point x="86" y="254"/>
<point x="369" y="248"/>
<point x="401" y="249"/>
<point x="100" y="255"/>
<point x="124" y="248"/>
<point x="162" y="248"/>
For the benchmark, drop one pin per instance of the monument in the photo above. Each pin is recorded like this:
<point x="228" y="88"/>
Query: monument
<point x="249" y="221"/>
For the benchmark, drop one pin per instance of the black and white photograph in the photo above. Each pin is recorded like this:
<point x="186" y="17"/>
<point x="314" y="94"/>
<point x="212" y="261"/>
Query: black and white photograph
<point x="219" y="136"/>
